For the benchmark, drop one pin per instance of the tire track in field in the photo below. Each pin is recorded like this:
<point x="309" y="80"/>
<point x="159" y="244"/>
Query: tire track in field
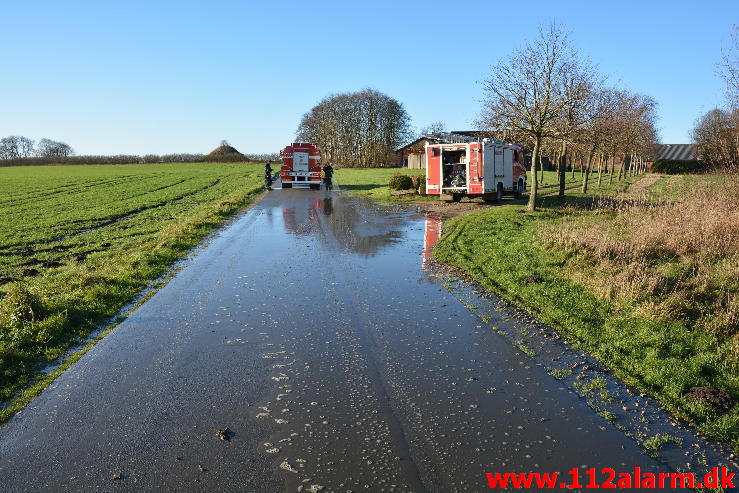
<point x="122" y="217"/>
<point x="6" y="251"/>
<point x="80" y="188"/>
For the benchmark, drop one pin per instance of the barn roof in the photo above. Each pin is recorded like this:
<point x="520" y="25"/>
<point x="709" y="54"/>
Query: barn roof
<point x="454" y="136"/>
<point x="680" y="152"/>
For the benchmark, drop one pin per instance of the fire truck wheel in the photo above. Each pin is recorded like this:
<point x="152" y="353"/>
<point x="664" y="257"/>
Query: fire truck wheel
<point x="287" y="185"/>
<point x="499" y="192"/>
<point x="315" y="187"/>
<point x="456" y="197"/>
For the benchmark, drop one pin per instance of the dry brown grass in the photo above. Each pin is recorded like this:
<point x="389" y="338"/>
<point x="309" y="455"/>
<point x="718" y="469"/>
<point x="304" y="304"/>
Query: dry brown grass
<point x="673" y="260"/>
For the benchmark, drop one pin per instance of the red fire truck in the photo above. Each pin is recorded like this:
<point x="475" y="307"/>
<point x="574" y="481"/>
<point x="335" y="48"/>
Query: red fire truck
<point x="487" y="169"/>
<point x="301" y="166"/>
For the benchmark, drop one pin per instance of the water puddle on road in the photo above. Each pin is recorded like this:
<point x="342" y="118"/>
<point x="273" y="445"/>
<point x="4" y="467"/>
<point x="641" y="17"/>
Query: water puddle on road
<point x="385" y="381"/>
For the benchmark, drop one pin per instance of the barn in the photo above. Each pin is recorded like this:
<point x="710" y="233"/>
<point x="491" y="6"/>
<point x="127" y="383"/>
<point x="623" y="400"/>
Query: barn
<point x="412" y="155"/>
<point x="676" y="152"/>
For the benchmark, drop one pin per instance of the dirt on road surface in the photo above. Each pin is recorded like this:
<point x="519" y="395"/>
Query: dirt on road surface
<point x="305" y="348"/>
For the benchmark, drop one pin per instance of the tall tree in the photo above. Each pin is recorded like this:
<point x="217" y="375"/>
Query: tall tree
<point x="527" y="92"/>
<point x="52" y="149"/>
<point x="357" y="129"/>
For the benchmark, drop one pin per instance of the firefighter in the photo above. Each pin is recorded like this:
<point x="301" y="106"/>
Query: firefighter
<point x="328" y="174"/>
<point x="268" y="175"/>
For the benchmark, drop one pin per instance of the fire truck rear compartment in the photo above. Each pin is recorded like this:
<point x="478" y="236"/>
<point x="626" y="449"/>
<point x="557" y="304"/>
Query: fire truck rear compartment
<point x="454" y="169"/>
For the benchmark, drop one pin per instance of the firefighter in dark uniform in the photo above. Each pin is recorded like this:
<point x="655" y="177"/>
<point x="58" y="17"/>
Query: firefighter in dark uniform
<point x="328" y="175"/>
<point x="268" y="175"/>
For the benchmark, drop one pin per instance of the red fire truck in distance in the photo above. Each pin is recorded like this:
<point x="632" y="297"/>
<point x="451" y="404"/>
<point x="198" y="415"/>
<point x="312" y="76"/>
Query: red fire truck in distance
<point x="487" y="169"/>
<point x="301" y="166"/>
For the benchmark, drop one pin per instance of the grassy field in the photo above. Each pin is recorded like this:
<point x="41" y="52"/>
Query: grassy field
<point x="372" y="182"/>
<point x="77" y="243"/>
<point x="646" y="285"/>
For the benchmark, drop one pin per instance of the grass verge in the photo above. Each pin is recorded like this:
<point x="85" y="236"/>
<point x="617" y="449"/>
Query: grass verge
<point x="679" y="335"/>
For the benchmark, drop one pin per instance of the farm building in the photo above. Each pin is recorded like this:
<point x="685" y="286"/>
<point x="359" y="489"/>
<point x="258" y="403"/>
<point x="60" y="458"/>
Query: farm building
<point x="677" y="152"/>
<point x="412" y="155"/>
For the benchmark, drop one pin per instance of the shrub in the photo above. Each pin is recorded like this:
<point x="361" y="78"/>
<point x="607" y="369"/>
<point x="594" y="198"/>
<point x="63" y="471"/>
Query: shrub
<point x="676" y="167"/>
<point x="419" y="184"/>
<point x="19" y="306"/>
<point x="400" y="182"/>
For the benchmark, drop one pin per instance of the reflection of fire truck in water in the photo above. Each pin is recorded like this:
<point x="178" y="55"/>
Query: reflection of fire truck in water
<point x="302" y="220"/>
<point x="301" y="166"/>
<point x="431" y="235"/>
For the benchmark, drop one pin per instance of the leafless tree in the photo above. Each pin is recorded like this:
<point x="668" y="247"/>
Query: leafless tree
<point x="715" y="137"/>
<point x="360" y="129"/>
<point x="433" y="128"/>
<point x="728" y="68"/>
<point x="527" y="93"/>
<point x="52" y="149"/>
<point x="26" y="147"/>
<point x="9" y="147"/>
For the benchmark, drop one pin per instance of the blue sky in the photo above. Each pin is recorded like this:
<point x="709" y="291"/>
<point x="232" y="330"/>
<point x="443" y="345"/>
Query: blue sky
<point x="157" y="77"/>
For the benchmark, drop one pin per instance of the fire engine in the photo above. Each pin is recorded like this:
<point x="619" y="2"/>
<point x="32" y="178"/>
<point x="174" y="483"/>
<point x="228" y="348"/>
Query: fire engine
<point x="301" y="166"/>
<point x="487" y="169"/>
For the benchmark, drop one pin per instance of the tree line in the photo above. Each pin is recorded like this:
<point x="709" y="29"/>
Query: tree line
<point x="23" y="151"/>
<point x="550" y="99"/>
<point x="16" y="147"/>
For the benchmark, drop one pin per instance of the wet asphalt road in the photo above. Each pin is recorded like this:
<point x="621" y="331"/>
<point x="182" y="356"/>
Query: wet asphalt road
<point x="309" y="328"/>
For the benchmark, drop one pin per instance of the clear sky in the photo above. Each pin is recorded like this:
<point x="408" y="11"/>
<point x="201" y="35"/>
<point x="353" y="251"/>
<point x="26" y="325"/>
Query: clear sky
<point x="111" y="77"/>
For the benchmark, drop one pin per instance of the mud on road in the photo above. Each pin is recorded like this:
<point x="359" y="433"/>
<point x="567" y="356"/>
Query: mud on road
<point x="307" y="347"/>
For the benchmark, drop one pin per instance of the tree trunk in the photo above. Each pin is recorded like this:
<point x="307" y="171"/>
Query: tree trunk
<point x="563" y="169"/>
<point x="586" y="175"/>
<point x="612" y="165"/>
<point x="600" y="168"/>
<point x="534" y="176"/>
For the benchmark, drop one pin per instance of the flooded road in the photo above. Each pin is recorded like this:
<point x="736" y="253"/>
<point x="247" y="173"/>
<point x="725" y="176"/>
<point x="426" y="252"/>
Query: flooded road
<point x="310" y="329"/>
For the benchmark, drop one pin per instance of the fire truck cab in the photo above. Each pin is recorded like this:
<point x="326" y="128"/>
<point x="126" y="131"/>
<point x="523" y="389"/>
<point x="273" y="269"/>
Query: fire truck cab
<point x="301" y="166"/>
<point x="487" y="169"/>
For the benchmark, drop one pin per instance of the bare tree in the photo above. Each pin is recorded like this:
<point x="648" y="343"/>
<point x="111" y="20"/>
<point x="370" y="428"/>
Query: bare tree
<point x="52" y="149"/>
<point x="26" y="147"/>
<point x="715" y="137"/>
<point x="360" y="129"/>
<point x="433" y="128"/>
<point x="527" y="92"/>
<point x="10" y="147"/>
<point x="728" y="68"/>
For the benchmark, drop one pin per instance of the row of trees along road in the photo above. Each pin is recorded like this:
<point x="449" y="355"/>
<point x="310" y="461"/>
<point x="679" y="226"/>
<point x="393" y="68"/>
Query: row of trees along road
<point x="716" y="134"/>
<point x="360" y="129"/>
<point x="18" y="147"/>
<point x="547" y="97"/>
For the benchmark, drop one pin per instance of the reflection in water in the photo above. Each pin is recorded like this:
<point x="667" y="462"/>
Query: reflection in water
<point x="328" y="206"/>
<point x="355" y="227"/>
<point x="431" y="234"/>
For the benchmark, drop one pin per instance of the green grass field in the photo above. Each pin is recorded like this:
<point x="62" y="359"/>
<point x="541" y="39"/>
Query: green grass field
<point x="623" y="285"/>
<point x="77" y="243"/>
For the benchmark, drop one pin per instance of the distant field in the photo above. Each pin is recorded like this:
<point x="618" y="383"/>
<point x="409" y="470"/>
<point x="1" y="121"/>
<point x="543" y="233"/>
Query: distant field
<point x="79" y="242"/>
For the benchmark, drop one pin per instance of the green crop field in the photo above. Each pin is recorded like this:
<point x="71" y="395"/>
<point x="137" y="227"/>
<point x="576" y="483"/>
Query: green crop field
<point x="77" y="243"/>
